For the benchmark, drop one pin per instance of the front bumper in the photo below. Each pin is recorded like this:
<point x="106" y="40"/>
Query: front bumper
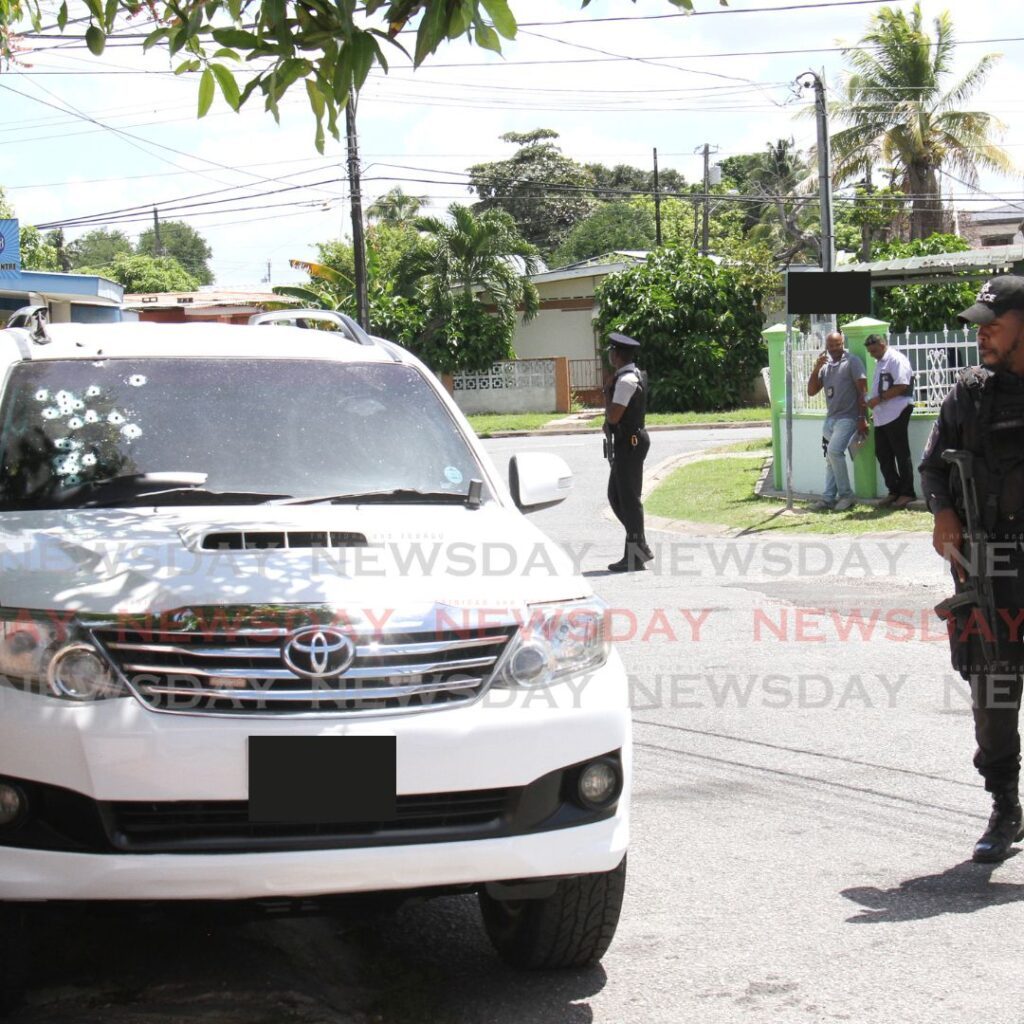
<point x="118" y="752"/>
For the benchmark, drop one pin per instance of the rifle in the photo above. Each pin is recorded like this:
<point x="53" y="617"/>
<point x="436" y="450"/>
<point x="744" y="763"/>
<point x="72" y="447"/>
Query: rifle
<point x="977" y="590"/>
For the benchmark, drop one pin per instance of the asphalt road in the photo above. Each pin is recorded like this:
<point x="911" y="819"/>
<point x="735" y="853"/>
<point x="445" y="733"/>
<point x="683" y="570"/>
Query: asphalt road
<point x="804" y="812"/>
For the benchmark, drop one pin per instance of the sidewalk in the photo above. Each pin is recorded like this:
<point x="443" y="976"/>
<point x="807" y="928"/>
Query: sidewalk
<point x="579" y="423"/>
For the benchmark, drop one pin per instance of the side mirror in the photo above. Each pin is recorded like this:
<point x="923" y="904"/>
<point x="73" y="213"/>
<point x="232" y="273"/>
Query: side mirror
<point x="538" y="480"/>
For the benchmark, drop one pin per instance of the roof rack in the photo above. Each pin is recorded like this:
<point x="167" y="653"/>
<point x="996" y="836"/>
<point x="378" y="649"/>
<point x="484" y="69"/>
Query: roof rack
<point x="33" y="319"/>
<point x="309" y="317"/>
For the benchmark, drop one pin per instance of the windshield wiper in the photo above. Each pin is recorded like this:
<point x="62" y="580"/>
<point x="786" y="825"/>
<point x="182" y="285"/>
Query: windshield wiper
<point x="184" y="496"/>
<point x="398" y="496"/>
<point x="135" y="488"/>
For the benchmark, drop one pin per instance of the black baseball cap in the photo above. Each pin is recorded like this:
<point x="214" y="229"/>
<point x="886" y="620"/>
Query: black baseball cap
<point x="996" y="297"/>
<point x="625" y="341"/>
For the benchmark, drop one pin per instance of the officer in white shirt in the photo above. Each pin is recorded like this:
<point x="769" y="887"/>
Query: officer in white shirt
<point x="626" y="447"/>
<point x="891" y="406"/>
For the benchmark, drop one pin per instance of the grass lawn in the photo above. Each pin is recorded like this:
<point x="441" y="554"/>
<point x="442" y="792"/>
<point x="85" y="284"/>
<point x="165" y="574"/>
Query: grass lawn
<point x="763" y="444"/>
<point x="486" y="424"/>
<point x="722" y="491"/>
<point x="761" y="413"/>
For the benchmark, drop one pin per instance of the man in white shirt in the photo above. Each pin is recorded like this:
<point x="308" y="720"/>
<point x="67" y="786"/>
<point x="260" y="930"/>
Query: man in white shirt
<point x="891" y="406"/>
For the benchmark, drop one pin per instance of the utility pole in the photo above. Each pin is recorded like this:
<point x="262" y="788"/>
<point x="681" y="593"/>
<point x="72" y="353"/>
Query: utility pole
<point x="358" y="238"/>
<point x="865" y="228"/>
<point x="657" y="202"/>
<point x="808" y="80"/>
<point x="158" y="246"/>
<point x="706" y="150"/>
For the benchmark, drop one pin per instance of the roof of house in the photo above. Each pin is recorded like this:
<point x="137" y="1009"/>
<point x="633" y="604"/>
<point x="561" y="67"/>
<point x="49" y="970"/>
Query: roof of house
<point x="1010" y="214"/>
<point x="204" y="299"/>
<point x="946" y="266"/>
<point x="596" y="266"/>
<point x="84" y="289"/>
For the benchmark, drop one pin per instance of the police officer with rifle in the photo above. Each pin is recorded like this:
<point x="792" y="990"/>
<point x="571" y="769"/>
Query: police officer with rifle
<point x="625" y="445"/>
<point x="972" y="473"/>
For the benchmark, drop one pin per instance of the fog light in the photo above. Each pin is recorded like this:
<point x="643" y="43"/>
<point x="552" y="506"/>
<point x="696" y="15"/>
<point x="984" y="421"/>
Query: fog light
<point x="529" y="665"/>
<point x="12" y="804"/>
<point x="79" y="673"/>
<point x="598" y="784"/>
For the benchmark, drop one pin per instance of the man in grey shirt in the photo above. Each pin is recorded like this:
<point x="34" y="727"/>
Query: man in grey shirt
<point x="840" y="374"/>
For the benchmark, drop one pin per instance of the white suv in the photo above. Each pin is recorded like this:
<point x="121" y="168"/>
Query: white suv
<point x="272" y="626"/>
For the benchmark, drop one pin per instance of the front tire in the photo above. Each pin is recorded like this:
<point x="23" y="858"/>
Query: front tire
<point x="573" y="927"/>
<point x="14" y="956"/>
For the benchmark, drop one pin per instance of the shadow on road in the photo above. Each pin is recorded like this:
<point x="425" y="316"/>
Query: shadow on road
<point x="428" y="961"/>
<point x="962" y="889"/>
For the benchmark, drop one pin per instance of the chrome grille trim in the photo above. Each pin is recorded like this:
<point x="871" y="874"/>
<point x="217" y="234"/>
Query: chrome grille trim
<point x="359" y="693"/>
<point x="372" y="650"/>
<point x="236" y="671"/>
<point x="383" y="672"/>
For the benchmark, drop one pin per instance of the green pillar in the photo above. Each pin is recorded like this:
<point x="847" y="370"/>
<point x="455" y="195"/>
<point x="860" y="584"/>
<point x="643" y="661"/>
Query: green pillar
<point x="865" y="472"/>
<point x="775" y="339"/>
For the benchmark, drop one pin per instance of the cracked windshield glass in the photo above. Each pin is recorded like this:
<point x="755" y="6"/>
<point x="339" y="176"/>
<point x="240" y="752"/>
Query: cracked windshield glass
<point x="283" y="428"/>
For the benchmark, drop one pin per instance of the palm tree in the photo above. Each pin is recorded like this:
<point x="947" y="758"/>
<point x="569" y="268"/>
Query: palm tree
<point x="901" y="112"/>
<point x="469" y="254"/>
<point x="395" y="208"/>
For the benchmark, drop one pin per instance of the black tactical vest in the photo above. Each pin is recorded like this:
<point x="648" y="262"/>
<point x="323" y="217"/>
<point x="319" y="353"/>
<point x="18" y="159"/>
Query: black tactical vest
<point x="634" y="418"/>
<point x="993" y="430"/>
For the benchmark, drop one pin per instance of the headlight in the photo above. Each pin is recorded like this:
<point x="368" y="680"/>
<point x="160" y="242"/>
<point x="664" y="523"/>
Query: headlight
<point x="557" y="641"/>
<point x="49" y="654"/>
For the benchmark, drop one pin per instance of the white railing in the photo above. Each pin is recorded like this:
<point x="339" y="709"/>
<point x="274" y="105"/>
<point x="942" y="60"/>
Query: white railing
<point x="935" y="356"/>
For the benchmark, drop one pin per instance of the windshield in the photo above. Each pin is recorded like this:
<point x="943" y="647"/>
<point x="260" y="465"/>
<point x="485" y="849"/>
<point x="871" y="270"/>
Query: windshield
<point x="297" y="428"/>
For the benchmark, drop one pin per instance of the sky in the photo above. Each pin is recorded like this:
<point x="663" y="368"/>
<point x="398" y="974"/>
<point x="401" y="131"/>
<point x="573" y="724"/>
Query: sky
<point x="81" y="135"/>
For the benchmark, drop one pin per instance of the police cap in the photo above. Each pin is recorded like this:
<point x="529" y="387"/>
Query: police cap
<point x="996" y="297"/>
<point x="623" y="341"/>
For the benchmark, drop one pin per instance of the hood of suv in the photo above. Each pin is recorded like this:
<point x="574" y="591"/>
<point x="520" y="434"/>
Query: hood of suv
<point x="121" y="561"/>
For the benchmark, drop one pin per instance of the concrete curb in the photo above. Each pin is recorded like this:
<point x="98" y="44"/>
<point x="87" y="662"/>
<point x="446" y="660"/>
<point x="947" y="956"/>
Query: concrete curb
<point x="687" y="526"/>
<point x="562" y="431"/>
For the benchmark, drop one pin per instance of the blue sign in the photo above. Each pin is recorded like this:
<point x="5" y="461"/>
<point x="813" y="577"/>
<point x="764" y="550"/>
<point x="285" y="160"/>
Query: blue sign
<point x="10" y="249"/>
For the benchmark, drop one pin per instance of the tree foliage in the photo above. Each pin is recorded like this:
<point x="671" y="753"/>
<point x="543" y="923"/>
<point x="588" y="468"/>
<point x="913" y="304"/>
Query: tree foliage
<point x="699" y="324"/>
<point x="611" y="226"/>
<point x="137" y="272"/>
<point x="544" y="191"/>
<point x="97" y="248"/>
<point x="472" y="274"/>
<point x="903" y="111"/>
<point x="36" y="252"/>
<point x="922" y="307"/>
<point x="621" y="182"/>
<point x="330" y="47"/>
<point x="395" y="208"/>
<point x="183" y="243"/>
<point x="448" y="290"/>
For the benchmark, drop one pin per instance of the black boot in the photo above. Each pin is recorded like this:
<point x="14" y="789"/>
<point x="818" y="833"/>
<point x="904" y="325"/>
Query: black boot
<point x="632" y="559"/>
<point x="1004" y="827"/>
<point x="646" y="553"/>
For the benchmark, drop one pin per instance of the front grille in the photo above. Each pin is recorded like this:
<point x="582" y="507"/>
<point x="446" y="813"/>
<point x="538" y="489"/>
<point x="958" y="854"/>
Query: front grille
<point x="225" y="825"/>
<point x="241" y="671"/>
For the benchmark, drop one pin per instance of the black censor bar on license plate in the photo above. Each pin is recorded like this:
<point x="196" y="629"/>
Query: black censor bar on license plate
<point x="321" y="779"/>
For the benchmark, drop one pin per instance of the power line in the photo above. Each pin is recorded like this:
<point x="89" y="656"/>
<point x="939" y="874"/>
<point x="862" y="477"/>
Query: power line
<point x="175" y="206"/>
<point x="705" y="14"/>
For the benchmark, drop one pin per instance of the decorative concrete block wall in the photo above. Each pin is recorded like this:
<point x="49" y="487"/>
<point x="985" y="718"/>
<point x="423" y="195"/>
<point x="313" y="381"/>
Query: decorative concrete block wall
<point x="521" y="385"/>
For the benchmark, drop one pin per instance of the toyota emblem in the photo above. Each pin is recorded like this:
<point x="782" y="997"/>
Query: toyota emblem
<point x="317" y="652"/>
